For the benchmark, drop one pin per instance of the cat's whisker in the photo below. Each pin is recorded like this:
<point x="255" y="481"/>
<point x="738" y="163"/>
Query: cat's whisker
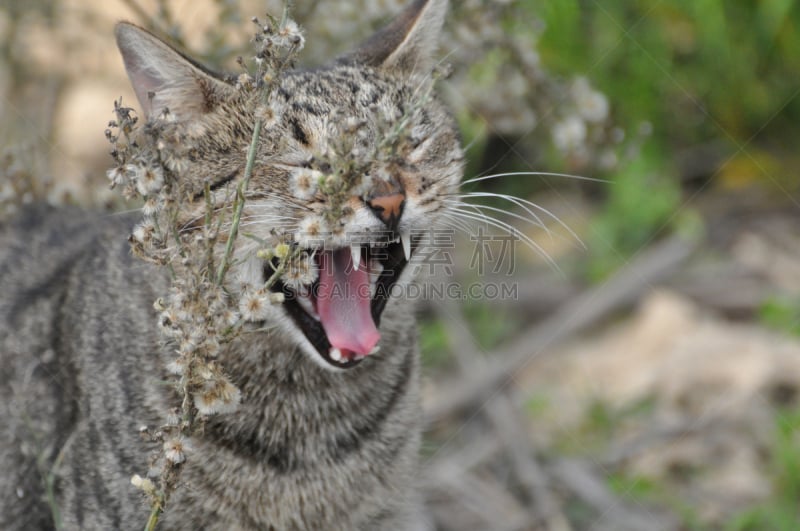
<point x="511" y="231"/>
<point x="268" y="217"/>
<point x="226" y="319"/>
<point x="456" y="222"/>
<point x="256" y="223"/>
<point x="522" y="203"/>
<point x="282" y="197"/>
<point x="479" y="216"/>
<point x="533" y="217"/>
<point x="474" y="141"/>
<point x="190" y="223"/>
<point x="460" y="199"/>
<point x="533" y="174"/>
<point x="534" y="220"/>
<point x="124" y="212"/>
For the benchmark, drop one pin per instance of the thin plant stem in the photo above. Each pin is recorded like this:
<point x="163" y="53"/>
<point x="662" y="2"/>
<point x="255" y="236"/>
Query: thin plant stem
<point x="248" y="169"/>
<point x="155" y="513"/>
<point x="248" y="172"/>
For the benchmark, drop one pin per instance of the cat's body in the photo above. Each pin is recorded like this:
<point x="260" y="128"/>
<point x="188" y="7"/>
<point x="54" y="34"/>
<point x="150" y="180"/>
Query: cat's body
<point x="83" y="366"/>
<point x="308" y="448"/>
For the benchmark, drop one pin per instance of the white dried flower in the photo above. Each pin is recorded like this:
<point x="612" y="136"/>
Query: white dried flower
<point x="211" y="345"/>
<point x="218" y="395"/>
<point x="177" y="366"/>
<point x="608" y="160"/>
<point x="174" y="162"/>
<point x="253" y="305"/>
<point x="591" y="104"/>
<point x="268" y="114"/>
<point x="144" y="231"/>
<point x="149" y="181"/>
<point x="117" y="176"/>
<point x="311" y="232"/>
<point x="175" y="450"/>
<point x="187" y="346"/>
<point x="245" y="81"/>
<point x="300" y="271"/>
<point x="304" y="182"/>
<point x="569" y="134"/>
<point x="290" y="36"/>
<point x="151" y="206"/>
<point x="229" y="317"/>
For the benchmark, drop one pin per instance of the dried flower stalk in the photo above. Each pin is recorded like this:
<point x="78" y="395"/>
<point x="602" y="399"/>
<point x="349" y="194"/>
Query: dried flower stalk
<point x="198" y="315"/>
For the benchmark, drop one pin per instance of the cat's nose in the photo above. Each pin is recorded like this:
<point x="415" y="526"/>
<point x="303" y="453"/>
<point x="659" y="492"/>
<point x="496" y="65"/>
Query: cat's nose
<point x="388" y="208"/>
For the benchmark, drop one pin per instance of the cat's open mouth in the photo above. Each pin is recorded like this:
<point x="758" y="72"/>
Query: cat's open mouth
<point x="340" y="312"/>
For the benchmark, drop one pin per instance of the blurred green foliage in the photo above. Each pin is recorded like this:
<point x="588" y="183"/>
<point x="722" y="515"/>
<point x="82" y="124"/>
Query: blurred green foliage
<point x="697" y="70"/>
<point x="697" y="73"/>
<point x="641" y="201"/>
<point x="781" y="313"/>
<point x="488" y="324"/>
<point x="433" y="343"/>
<point x="782" y="511"/>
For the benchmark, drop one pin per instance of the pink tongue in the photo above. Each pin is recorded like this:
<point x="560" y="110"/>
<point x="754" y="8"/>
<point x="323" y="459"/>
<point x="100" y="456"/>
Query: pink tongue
<point x="343" y="303"/>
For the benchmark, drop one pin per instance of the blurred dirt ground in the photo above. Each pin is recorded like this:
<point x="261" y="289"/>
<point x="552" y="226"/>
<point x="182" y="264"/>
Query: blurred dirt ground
<point x="658" y="407"/>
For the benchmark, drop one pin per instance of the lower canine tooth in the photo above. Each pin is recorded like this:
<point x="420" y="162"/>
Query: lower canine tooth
<point x="335" y="354"/>
<point x="375" y="350"/>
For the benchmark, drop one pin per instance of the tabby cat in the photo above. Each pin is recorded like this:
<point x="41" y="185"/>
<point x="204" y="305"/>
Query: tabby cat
<point x="328" y="430"/>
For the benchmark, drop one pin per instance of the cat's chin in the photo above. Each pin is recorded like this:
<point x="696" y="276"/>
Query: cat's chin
<point x="343" y="341"/>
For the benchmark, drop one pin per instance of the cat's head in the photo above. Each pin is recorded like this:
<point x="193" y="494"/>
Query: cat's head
<point x="354" y="158"/>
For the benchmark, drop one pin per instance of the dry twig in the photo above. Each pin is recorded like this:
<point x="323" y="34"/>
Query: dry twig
<point x="583" y="311"/>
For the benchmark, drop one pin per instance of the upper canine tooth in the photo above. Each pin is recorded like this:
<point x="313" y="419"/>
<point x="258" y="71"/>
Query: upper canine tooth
<point x="355" y="251"/>
<point x="405" y="239"/>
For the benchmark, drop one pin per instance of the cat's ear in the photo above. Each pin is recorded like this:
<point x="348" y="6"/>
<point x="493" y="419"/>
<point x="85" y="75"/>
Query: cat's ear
<point x="164" y="78"/>
<point x="408" y="43"/>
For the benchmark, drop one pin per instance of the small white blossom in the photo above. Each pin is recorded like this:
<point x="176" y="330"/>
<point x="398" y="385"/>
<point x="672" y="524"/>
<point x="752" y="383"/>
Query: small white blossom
<point x="311" y="232"/>
<point x="253" y="305"/>
<point x="608" y="160"/>
<point x="229" y="317"/>
<point x="304" y="182"/>
<point x="149" y="181"/>
<point x="269" y="114"/>
<point x="300" y="271"/>
<point x="174" y="162"/>
<point x="144" y="231"/>
<point x="217" y="396"/>
<point x="177" y="366"/>
<point x="290" y="36"/>
<point x="151" y="206"/>
<point x="116" y="176"/>
<point x="569" y="134"/>
<point x="175" y="450"/>
<point x="591" y="104"/>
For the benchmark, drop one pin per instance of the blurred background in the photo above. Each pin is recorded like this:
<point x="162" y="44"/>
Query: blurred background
<point x="632" y="361"/>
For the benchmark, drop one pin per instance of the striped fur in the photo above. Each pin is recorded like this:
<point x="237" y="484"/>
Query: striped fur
<point x="82" y="365"/>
